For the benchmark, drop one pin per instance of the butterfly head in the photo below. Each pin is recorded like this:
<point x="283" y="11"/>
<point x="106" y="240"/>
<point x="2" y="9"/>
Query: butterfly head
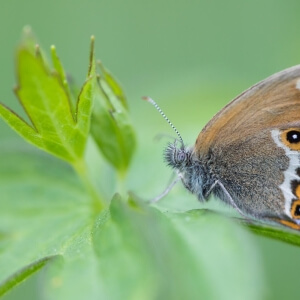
<point x="177" y="157"/>
<point x="183" y="160"/>
<point x="189" y="169"/>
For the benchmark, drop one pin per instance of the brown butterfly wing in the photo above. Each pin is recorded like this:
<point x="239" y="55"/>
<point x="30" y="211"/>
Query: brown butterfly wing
<point x="241" y="152"/>
<point x="270" y="103"/>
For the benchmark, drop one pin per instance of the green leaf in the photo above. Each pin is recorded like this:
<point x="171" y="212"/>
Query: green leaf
<point x="24" y="273"/>
<point x="131" y="252"/>
<point x="45" y="97"/>
<point x="63" y="77"/>
<point x="44" y="212"/>
<point x="278" y="233"/>
<point x="225" y="251"/>
<point x="114" y="85"/>
<point x="111" y="127"/>
<point x="195" y="255"/>
<point x="30" y="42"/>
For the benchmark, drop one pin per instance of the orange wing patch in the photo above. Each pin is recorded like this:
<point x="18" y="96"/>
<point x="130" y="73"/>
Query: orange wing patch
<point x="289" y="224"/>
<point x="295" y="208"/>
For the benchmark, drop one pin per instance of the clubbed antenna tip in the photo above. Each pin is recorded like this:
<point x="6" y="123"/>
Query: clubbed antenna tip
<point x="150" y="100"/>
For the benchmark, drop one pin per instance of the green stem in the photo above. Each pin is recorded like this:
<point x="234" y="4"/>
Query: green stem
<point x="82" y="171"/>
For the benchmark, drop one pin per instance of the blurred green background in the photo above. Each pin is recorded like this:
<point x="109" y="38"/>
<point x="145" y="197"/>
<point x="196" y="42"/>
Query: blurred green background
<point x="192" y="57"/>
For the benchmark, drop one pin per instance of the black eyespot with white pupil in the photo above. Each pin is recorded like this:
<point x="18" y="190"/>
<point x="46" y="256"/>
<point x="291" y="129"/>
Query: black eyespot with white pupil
<point x="293" y="136"/>
<point x="297" y="210"/>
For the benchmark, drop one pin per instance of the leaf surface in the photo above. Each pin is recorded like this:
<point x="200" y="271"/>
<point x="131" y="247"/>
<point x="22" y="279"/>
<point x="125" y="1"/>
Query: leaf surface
<point x="111" y="126"/>
<point x="54" y="125"/>
<point x="132" y="251"/>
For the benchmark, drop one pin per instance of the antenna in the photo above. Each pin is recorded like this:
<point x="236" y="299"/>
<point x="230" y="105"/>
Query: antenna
<point x="150" y="100"/>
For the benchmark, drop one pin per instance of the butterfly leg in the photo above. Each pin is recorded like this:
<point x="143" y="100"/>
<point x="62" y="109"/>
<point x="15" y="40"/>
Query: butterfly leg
<point x="166" y="191"/>
<point x="229" y="198"/>
<point x="207" y="194"/>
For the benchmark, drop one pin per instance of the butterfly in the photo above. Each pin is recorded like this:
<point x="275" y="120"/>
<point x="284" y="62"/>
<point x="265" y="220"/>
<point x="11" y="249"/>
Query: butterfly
<point x="248" y="155"/>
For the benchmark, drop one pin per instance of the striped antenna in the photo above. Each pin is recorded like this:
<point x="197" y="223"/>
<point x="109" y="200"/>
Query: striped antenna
<point x="150" y="100"/>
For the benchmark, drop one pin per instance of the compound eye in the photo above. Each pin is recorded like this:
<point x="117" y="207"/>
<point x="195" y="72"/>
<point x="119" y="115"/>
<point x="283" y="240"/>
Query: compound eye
<point x="181" y="157"/>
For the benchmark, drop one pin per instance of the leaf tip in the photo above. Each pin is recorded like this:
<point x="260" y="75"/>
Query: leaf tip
<point x="92" y="68"/>
<point x="27" y="30"/>
<point x="101" y="66"/>
<point x="92" y="46"/>
<point x="28" y="39"/>
<point x="37" y="49"/>
<point x="53" y="53"/>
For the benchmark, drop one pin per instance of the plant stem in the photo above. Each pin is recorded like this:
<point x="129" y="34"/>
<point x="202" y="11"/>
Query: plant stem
<point x="82" y="171"/>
